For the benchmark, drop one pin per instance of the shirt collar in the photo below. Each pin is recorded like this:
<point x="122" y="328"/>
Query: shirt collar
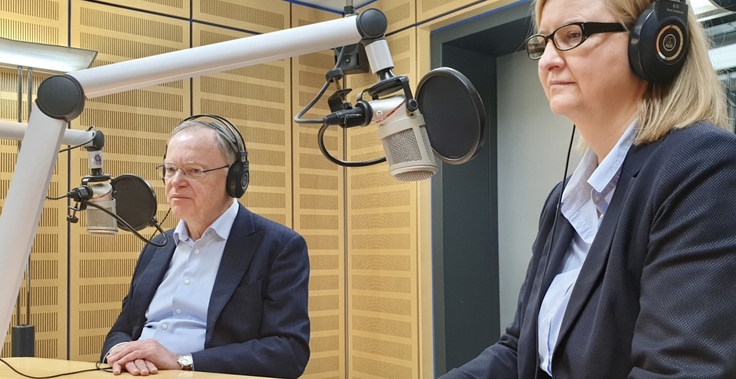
<point x="599" y="177"/>
<point x="589" y="181"/>
<point x="605" y="177"/>
<point x="221" y="226"/>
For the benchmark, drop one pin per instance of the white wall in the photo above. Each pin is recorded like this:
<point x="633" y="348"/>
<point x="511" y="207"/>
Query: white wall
<point x="532" y="145"/>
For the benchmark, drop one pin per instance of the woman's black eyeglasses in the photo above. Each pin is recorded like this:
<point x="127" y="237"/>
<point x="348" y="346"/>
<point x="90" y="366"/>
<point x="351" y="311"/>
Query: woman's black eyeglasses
<point x="569" y="36"/>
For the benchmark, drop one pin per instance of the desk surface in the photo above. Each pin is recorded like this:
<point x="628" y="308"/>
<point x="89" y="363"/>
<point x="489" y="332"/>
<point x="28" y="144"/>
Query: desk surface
<point x="46" y="367"/>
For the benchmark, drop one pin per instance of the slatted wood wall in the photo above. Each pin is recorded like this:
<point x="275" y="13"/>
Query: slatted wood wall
<point x="136" y="124"/>
<point x="42" y="21"/>
<point x="368" y="255"/>
<point x="319" y="209"/>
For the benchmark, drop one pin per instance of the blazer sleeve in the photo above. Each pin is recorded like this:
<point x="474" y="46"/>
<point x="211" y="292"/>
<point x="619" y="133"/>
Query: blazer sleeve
<point x="686" y="324"/>
<point x="282" y="348"/>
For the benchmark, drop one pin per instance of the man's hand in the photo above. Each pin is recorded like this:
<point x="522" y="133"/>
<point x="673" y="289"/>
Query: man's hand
<point x="141" y="358"/>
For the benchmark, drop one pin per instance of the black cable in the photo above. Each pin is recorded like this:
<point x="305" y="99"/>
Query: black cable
<point x="554" y="222"/>
<point x="57" y="198"/>
<point x="323" y="149"/>
<point x="323" y="128"/>
<point x="559" y="204"/>
<point x="130" y="228"/>
<point x="309" y="106"/>
<point x="97" y="368"/>
<point x="319" y="95"/>
<point x="80" y="145"/>
<point x="158" y="228"/>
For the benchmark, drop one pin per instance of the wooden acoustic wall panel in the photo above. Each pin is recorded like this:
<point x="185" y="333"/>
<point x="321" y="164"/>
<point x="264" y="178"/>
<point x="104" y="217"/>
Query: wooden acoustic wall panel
<point x="257" y="100"/>
<point x="179" y="8"/>
<point x="383" y="298"/>
<point x="319" y="208"/>
<point x="136" y="124"/>
<point x="429" y="9"/>
<point x="401" y="14"/>
<point x="42" y="21"/>
<point x="258" y="16"/>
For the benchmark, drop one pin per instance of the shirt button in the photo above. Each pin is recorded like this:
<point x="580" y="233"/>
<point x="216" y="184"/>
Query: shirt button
<point x="196" y="251"/>
<point x="164" y="326"/>
<point x="186" y="282"/>
<point x="178" y="310"/>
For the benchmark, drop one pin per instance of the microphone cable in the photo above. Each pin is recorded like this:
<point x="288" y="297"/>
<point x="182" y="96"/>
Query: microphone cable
<point x="331" y="77"/>
<point x="558" y="209"/>
<point x="552" y="233"/>
<point x="159" y="230"/>
<point x="298" y="118"/>
<point x="331" y="158"/>
<point x="70" y="148"/>
<point x="130" y="228"/>
<point x="119" y="219"/>
<point x="98" y="367"/>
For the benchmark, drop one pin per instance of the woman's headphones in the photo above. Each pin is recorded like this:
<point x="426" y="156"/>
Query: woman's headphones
<point x="659" y="41"/>
<point x="237" y="174"/>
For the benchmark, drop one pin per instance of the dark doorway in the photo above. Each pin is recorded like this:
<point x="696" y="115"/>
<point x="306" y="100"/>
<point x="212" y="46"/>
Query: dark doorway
<point x="465" y="197"/>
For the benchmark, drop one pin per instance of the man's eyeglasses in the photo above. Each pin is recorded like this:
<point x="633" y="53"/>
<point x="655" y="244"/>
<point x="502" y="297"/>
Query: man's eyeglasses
<point x="568" y="37"/>
<point x="167" y="171"/>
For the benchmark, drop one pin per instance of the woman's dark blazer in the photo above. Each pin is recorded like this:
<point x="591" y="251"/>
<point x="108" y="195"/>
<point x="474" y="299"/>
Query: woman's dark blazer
<point x="656" y="296"/>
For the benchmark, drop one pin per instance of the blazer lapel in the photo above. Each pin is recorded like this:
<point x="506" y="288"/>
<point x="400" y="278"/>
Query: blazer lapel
<point x="601" y="247"/>
<point x="150" y="279"/>
<point x="549" y="265"/>
<point x="239" y="251"/>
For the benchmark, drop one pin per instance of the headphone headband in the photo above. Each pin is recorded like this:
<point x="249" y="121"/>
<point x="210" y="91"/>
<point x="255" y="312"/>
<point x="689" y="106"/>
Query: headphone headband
<point x="238" y="175"/>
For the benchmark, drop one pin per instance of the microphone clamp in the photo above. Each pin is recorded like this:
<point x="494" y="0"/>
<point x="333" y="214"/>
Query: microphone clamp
<point x="81" y="194"/>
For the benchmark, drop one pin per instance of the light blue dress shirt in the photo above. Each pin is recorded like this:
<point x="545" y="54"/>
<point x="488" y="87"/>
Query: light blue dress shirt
<point x="586" y="196"/>
<point x="177" y="315"/>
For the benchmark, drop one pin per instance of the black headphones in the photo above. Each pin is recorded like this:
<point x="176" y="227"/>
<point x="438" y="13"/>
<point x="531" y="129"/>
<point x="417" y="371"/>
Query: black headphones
<point x="237" y="174"/>
<point x="659" y="41"/>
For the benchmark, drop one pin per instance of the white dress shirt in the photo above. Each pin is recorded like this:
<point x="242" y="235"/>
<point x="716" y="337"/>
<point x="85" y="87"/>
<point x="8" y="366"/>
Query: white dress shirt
<point x="177" y="315"/>
<point x="584" y="203"/>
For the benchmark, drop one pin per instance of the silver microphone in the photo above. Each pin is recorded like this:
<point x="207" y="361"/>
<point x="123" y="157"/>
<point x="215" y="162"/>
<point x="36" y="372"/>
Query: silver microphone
<point x="99" y="222"/>
<point x="405" y="140"/>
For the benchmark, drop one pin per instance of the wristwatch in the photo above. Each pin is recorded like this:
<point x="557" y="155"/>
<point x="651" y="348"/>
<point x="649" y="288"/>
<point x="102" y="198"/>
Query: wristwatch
<point x="185" y="362"/>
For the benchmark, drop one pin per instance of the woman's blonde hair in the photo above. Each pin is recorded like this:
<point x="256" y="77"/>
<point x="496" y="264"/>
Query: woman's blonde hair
<point x="695" y="94"/>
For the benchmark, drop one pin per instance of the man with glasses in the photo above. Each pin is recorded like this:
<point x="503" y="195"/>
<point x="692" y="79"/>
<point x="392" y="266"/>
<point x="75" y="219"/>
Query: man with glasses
<point x="228" y="293"/>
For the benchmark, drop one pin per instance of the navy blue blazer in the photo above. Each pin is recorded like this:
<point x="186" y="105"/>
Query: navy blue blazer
<point x="257" y="320"/>
<point x="656" y="296"/>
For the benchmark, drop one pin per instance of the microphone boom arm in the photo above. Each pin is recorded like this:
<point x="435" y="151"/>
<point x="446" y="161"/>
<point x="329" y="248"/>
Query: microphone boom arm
<point x="60" y="99"/>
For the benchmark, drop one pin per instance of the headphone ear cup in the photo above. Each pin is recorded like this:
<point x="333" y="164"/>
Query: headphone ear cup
<point x="237" y="179"/>
<point x="659" y="41"/>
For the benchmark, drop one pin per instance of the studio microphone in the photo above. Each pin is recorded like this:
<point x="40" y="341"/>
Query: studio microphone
<point x="404" y="138"/>
<point x="101" y="198"/>
<point x="447" y="117"/>
<point x="402" y="132"/>
<point x="100" y="222"/>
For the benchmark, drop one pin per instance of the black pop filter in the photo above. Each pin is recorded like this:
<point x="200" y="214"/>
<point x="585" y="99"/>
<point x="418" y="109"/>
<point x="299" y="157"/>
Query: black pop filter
<point x="453" y="113"/>
<point x="135" y="201"/>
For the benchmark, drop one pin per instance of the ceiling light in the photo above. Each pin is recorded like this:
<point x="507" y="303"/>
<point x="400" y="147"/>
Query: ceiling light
<point x="44" y="57"/>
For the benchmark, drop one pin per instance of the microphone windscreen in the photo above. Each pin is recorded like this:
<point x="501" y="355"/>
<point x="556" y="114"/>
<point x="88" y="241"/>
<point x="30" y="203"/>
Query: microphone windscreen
<point x="136" y="201"/>
<point x="454" y="114"/>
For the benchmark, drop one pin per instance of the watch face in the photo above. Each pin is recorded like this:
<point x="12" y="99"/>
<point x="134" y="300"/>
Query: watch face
<point x="185" y="361"/>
